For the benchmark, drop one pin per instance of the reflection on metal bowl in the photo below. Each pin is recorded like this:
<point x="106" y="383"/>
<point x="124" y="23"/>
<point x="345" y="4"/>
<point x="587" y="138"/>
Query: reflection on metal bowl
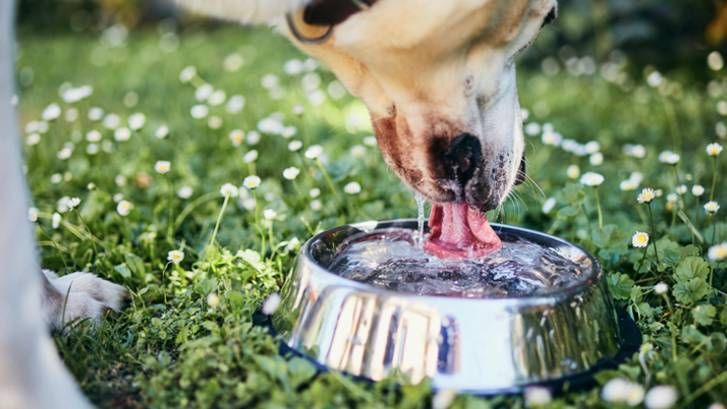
<point x="483" y="346"/>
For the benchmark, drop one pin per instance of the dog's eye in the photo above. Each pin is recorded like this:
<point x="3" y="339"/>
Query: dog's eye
<point x="552" y="14"/>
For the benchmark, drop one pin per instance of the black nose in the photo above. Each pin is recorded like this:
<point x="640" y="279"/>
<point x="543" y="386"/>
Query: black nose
<point x="462" y="157"/>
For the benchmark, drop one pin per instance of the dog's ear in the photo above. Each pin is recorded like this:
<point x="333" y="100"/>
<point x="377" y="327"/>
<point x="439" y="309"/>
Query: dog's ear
<point x="244" y="11"/>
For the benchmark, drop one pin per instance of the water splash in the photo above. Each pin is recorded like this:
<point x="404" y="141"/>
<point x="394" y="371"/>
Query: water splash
<point x="420" y="220"/>
<point x="391" y="259"/>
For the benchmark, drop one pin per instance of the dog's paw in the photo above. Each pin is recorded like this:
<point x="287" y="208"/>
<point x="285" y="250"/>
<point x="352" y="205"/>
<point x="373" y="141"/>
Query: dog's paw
<point x="79" y="296"/>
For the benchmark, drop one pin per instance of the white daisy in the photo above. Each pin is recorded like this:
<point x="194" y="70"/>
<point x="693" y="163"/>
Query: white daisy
<point x="236" y="137"/>
<point x="218" y="97"/>
<point x="93" y="135"/>
<point x="252" y="138"/>
<point x="661" y="397"/>
<point x="537" y="396"/>
<point x="715" y="62"/>
<point x="136" y="121"/>
<point x="619" y="390"/>
<point x="95" y="114"/>
<point x="711" y="207"/>
<point x="596" y="159"/>
<point x="122" y="134"/>
<point x="269" y="214"/>
<point x="646" y="195"/>
<point x="697" y="190"/>
<point x="271" y="304"/>
<point x="33" y="214"/>
<point x="32" y="139"/>
<point x="718" y="252"/>
<point x="640" y="239"/>
<point x="250" y="156"/>
<point x="203" y="92"/>
<point x="175" y="256"/>
<point x="185" y="192"/>
<point x="55" y="220"/>
<point x="573" y="171"/>
<point x="352" y="188"/>
<point x="123" y="207"/>
<point x="669" y="157"/>
<point x="229" y="190"/>
<point x="532" y="129"/>
<point x="592" y="179"/>
<point x="714" y="149"/>
<point x="548" y="205"/>
<point x="661" y="288"/>
<point x="199" y="111"/>
<point x="314" y="152"/>
<point x="161" y="132"/>
<point x="213" y="300"/>
<point x="187" y="74"/>
<point x="235" y="104"/>
<point x="162" y="167"/>
<point x="233" y="62"/>
<point x="51" y="112"/>
<point x="251" y="182"/>
<point x="295" y="145"/>
<point x="291" y="173"/>
<point x="214" y="122"/>
<point x="111" y="121"/>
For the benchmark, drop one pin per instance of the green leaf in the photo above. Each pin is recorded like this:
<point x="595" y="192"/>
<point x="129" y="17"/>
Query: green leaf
<point x="123" y="270"/>
<point x="704" y="314"/>
<point x="671" y="253"/>
<point x="691" y="291"/>
<point x="620" y="285"/>
<point x="692" y="267"/>
<point x="135" y="264"/>
<point x="273" y="366"/>
<point x="300" y="371"/>
<point x="691" y="335"/>
<point x="568" y="212"/>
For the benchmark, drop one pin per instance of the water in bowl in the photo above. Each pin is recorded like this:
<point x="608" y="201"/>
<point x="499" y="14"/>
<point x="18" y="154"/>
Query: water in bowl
<point x="393" y="259"/>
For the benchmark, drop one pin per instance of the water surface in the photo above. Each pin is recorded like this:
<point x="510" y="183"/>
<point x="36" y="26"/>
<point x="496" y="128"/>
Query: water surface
<point x="393" y="259"/>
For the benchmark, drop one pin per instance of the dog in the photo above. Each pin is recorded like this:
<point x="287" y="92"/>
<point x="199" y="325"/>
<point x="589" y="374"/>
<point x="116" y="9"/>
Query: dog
<point x="437" y="77"/>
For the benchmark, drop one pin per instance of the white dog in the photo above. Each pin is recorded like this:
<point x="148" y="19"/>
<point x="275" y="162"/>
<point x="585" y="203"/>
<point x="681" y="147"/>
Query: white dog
<point x="438" y="78"/>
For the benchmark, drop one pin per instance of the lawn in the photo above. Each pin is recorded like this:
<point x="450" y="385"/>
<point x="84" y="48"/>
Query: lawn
<point x="166" y="158"/>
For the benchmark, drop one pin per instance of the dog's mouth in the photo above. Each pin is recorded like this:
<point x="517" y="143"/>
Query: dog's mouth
<point x="460" y="231"/>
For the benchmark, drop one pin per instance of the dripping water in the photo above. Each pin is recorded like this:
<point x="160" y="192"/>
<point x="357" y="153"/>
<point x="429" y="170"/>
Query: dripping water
<point x="420" y="220"/>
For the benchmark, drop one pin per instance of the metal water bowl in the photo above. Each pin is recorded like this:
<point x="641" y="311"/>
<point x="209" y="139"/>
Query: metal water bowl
<point x="481" y="346"/>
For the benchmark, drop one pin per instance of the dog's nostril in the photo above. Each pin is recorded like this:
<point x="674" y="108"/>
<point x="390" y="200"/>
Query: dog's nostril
<point x="462" y="156"/>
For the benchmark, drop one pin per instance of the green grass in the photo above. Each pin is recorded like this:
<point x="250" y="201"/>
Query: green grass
<point x="187" y="339"/>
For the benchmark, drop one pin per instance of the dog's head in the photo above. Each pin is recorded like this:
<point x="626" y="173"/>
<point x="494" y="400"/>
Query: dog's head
<point x="438" y="78"/>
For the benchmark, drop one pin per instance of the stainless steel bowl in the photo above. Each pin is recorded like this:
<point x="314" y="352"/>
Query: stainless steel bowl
<point x="481" y="346"/>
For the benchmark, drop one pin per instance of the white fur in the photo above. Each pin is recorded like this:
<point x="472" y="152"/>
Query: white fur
<point x="80" y="296"/>
<point x="31" y="374"/>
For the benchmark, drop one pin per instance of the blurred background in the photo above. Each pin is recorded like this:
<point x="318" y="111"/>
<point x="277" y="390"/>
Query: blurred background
<point x="664" y="34"/>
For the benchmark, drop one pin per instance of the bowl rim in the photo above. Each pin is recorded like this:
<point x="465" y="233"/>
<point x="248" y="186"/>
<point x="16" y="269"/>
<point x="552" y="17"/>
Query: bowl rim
<point x="593" y="277"/>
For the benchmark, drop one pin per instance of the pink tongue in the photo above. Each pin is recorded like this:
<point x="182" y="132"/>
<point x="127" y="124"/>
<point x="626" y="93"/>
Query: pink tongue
<point x="459" y="231"/>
